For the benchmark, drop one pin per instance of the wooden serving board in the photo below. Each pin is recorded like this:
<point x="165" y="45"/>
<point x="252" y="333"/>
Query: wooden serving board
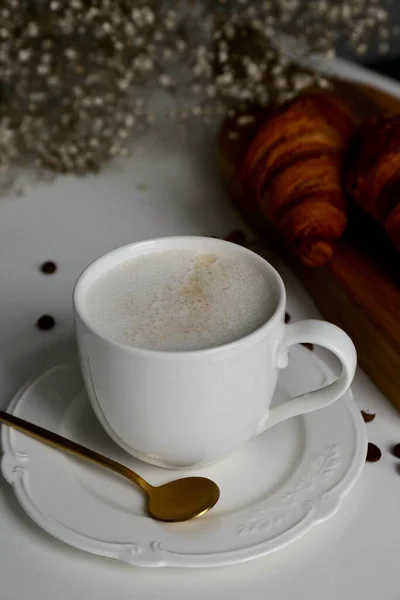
<point x="359" y="290"/>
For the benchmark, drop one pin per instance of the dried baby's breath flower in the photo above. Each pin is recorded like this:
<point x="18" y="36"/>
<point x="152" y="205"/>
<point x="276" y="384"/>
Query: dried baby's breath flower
<point x="75" y="74"/>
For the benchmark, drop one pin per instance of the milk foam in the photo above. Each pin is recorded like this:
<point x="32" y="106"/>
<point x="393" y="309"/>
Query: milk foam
<point x="179" y="300"/>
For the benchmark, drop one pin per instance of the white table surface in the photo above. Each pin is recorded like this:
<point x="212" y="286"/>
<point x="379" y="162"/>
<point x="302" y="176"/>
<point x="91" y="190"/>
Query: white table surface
<point x="354" y="555"/>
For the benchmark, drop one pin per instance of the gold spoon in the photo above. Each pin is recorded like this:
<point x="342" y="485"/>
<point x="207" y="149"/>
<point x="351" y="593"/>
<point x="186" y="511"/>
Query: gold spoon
<point x="178" y="500"/>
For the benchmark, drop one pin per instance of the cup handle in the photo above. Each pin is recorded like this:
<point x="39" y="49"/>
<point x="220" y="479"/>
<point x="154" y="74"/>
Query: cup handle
<point x="334" y="339"/>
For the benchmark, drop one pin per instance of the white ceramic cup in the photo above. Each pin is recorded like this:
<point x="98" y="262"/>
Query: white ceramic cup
<point x="186" y="409"/>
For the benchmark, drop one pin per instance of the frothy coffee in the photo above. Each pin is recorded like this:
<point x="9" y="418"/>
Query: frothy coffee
<point x="180" y="300"/>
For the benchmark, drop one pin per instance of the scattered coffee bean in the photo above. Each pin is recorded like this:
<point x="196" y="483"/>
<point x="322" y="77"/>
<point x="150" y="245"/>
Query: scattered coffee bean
<point x="373" y="453"/>
<point x="288" y="318"/>
<point x="237" y="237"/>
<point x="396" y="450"/>
<point x="368" y="417"/>
<point x="45" y="322"/>
<point x="49" y="267"/>
<point x="308" y="346"/>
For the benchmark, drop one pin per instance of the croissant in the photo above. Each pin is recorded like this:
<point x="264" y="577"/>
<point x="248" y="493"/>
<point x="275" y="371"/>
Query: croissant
<point x="373" y="178"/>
<point x="294" y="167"/>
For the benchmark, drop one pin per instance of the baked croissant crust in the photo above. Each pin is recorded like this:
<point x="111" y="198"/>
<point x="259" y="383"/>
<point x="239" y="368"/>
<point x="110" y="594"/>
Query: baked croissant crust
<point x="294" y="167"/>
<point x="373" y="178"/>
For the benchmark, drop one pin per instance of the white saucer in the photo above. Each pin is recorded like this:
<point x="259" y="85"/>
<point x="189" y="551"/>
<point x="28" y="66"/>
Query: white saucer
<point x="273" y="490"/>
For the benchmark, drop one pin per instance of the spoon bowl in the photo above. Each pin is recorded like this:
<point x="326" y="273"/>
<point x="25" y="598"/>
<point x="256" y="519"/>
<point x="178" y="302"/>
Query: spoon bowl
<point x="182" y="499"/>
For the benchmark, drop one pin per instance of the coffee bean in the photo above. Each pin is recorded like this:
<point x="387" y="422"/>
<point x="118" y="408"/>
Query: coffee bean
<point x="396" y="450"/>
<point x="308" y="346"/>
<point x="48" y="268"/>
<point x="368" y="417"/>
<point x="45" y="322"/>
<point x="237" y="237"/>
<point x="373" y="453"/>
<point x="288" y="318"/>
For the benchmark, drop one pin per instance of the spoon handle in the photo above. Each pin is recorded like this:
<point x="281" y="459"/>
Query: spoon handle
<point x="61" y="443"/>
